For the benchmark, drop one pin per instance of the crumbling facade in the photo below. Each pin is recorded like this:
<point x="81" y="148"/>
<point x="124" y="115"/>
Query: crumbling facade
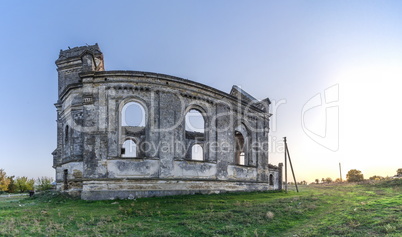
<point x="127" y="134"/>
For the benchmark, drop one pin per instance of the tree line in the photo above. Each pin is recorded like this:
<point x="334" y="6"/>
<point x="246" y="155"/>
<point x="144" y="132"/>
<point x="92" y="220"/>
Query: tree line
<point x="355" y="175"/>
<point x="12" y="184"/>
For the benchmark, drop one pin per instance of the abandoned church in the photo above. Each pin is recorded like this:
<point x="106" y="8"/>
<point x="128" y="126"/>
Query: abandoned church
<point x="129" y="134"/>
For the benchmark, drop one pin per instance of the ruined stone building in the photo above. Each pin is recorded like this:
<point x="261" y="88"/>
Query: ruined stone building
<point x="127" y="134"/>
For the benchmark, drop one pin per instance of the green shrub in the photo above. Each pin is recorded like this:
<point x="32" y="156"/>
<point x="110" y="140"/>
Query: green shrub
<point x="53" y="196"/>
<point x="44" y="183"/>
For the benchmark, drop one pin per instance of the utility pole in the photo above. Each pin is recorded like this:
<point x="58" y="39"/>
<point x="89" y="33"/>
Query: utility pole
<point x="287" y="156"/>
<point x="340" y="171"/>
<point x="291" y="167"/>
<point x="286" y="168"/>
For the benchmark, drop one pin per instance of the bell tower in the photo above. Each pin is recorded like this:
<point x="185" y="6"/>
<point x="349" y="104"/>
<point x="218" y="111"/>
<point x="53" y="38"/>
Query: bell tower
<point x="72" y="62"/>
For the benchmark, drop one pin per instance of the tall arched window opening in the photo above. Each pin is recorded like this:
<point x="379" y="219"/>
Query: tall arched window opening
<point x="195" y="134"/>
<point x="241" y="145"/>
<point x="66" y="133"/>
<point x="133" y="121"/>
<point x="271" y="179"/>
<point x="239" y="153"/>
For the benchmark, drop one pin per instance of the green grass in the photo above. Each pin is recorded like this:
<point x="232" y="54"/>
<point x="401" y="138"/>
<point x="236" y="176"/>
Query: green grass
<point x="319" y="210"/>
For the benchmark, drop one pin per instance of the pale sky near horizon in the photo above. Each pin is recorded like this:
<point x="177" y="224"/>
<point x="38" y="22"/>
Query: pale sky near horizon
<point x="331" y="69"/>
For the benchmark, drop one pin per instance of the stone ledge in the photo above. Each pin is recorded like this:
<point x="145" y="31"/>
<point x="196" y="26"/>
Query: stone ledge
<point x="96" y="190"/>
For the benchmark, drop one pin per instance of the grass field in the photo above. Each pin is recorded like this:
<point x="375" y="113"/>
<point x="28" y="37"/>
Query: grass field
<point x="319" y="210"/>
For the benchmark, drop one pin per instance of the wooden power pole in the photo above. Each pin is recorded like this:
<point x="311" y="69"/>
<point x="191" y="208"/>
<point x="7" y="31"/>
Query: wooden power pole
<point x="286" y="167"/>
<point x="287" y="156"/>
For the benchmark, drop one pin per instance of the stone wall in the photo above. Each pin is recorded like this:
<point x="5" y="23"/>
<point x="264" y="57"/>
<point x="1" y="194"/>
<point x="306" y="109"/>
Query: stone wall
<point x="94" y="142"/>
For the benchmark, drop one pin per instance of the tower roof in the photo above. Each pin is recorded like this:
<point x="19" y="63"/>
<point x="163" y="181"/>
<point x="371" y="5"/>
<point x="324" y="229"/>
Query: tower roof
<point x="79" y="51"/>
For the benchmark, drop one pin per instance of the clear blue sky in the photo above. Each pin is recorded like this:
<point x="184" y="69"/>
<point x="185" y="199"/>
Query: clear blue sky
<point x="288" y="51"/>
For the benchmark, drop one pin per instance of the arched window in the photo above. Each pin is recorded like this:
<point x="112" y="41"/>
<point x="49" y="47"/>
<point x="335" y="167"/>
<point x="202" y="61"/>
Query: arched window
<point x="133" y="115"/>
<point x="271" y="179"/>
<point x="194" y="121"/>
<point x="197" y="152"/>
<point x="195" y="134"/>
<point x="129" y="148"/>
<point x="239" y="154"/>
<point x="133" y="121"/>
<point x="66" y="133"/>
<point x="241" y="145"/>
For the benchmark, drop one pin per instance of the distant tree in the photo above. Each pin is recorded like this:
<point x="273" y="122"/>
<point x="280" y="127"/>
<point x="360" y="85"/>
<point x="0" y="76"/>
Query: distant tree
<point x="338" y="180"/>
<point x="24" y="184"/>
<point x="376" y="177"/>
<point x="354" y="176"/>
<point x="317" y="181"/>
<point x="4" y="181"/>
<point x="328" y="180"/>
<point x="11" y="185"/>
<point x="399" y="172"/>
<point x="322" y="180"/>
<point x="44" y="183"/>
